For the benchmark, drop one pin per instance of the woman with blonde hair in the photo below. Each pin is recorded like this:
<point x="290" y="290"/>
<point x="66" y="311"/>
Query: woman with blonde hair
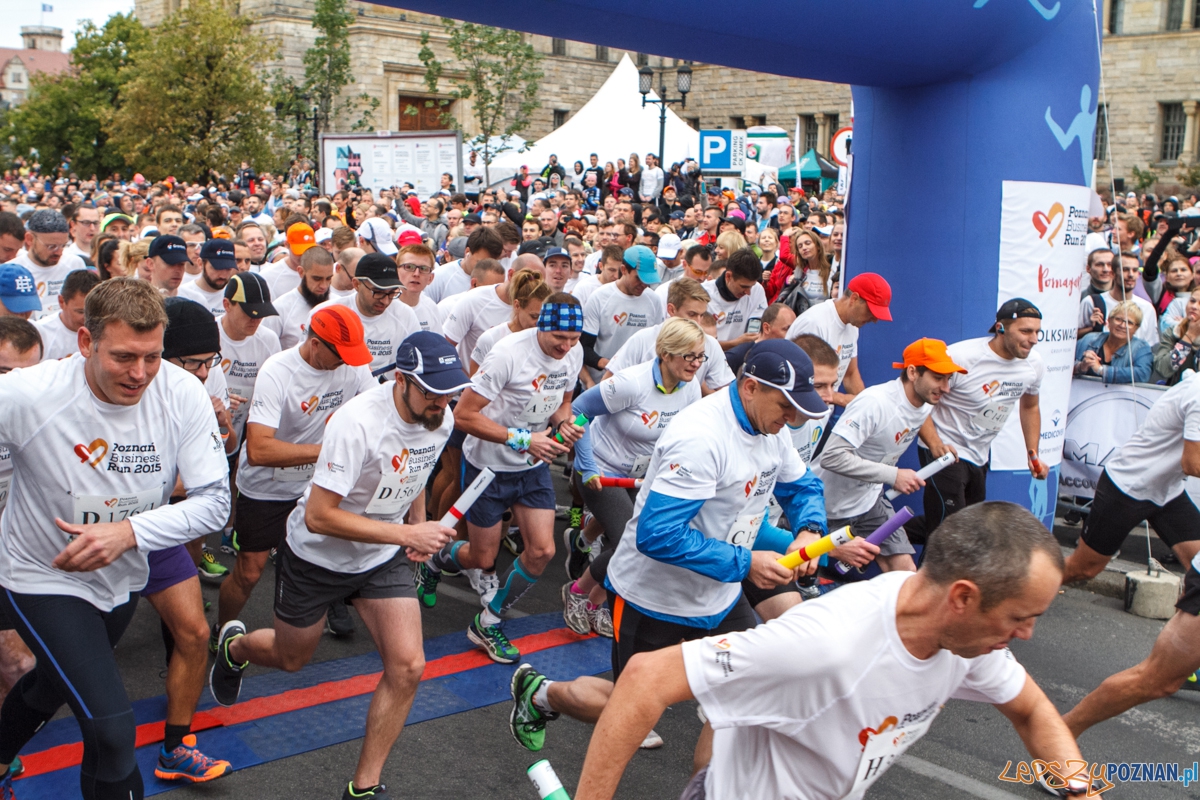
<point x="135" y="259"/>
<point x="1116" y="355"/>
<point x="728" y="243"/>
<point x="528" y="291"/>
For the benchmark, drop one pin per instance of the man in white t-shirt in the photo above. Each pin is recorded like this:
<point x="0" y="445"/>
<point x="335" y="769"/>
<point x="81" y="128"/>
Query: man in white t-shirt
<point x="345" y="262"/>
<point x="168" y="257"/>
<point x="483" y="308"/>
<point x="295" y="393"/>
<point x="285" y="275"/>
<point x="1005" y="374"/>
<point x="245" y="343"/>
<point x="454" y="277"/>
<point x="892" y="651"/>
<point x="1090" y="314"/>
<point x="866" y="299"/>
<point x="878" y="426"/>
<point x="348" y="542"/>
<point x="218" y="263"/>
<point x="60" y="332"/>
<point x="71" y="560"/>
<point x="85" y="224"/>
<point x="611" y="262"/>
<point x="414" y="265"/>
<point x="558" y="269"/>
<point x="737" y="299"/>
<point x="46" y="234"/>
<point x="517" y="416"/>
<point x="618" y="310"/>
<point x="652" y="180"/>
<point x="290" y="323"/>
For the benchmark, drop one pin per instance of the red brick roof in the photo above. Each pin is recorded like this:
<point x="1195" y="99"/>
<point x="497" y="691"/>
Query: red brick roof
<point x="35" y="61"/>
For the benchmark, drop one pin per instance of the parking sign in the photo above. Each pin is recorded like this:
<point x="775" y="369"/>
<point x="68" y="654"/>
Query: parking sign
<point x="722" y="151"/>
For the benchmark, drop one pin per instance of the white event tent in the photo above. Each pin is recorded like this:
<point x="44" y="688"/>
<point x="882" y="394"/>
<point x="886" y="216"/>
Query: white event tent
<point x="612" y="125"/>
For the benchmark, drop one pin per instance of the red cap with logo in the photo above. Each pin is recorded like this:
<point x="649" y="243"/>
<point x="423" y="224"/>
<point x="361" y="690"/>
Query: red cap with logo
<point x="341" y="329"/>
<point x="875" y="291"/>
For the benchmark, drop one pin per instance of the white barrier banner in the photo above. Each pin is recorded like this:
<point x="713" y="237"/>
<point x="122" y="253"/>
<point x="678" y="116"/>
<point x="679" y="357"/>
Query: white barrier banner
<point x="1042" y="259"/>
<point x="1101" y="419"/>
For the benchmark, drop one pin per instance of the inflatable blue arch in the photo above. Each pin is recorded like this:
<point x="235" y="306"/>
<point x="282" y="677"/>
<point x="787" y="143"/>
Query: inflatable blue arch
<point x="951" y="97"/>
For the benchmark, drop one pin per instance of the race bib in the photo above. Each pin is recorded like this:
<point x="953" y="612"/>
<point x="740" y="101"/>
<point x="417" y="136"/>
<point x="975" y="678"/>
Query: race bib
<point x="93" y="509"/>
<point x="744" y="530"/>
<point x="299" y="474"/>
<point x="5" y="485"/>
<point x="243" y="411"/>
<point x="538" y="410"/>
<point x="638" y="470"/>
<point x="884" y="747"/>
<point x="394" y="493"/>
<point x="995" y="414"/>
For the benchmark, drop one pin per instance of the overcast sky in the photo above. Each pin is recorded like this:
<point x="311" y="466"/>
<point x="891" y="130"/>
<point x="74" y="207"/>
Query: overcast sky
<point x="66" y="15"/>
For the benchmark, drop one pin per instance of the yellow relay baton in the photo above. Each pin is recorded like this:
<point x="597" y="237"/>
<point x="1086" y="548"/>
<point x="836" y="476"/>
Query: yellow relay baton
<point x="818" y="548"/>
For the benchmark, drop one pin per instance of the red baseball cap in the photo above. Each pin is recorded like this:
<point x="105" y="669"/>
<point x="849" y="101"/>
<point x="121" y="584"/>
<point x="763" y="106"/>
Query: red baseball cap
<point x="875" y="291"/>
<point x="341" y="329"/>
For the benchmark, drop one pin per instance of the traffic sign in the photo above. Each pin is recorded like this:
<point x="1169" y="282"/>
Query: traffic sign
<point x="839" y="146"/>
<point x="722" y="151"/>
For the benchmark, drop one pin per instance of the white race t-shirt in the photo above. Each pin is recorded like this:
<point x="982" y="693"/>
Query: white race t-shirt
<point x="77" y="458"/>
<point x="49" y="280"/>
<point x="585" y="288"/>
<point x="1147" y="331"/>
<point x="428" y="315"/>
<point x="213" y="301"/>
<point x="297" y="401"/>
<point x="448" y="280"/>
<point x="713" y="373"/>
<point x="57" y="340"/>
<point x="806" y="437"/>
<point x="1148" y="466"/>
<point x="291" y="323"/>
<point x="733" y="317"/>
<point x="280" y="278"/>
<point x="614" y="317"/>
<point x="881" y="424"/>
<point x="476" y="311"/>
<point x="379" y="464"/>
<point x="524" y="387"/>
<point x="382" y="334"/>
<point x="638" y="413"/>
<point x="704" y="455"/>
<point x="240" y="363"/>
<point x="822" y="321"/>
<point x="487" y="340"/>
<point x="790" y="699"/>
<point x="978" y="404"/>
<point x="5" y="476"/>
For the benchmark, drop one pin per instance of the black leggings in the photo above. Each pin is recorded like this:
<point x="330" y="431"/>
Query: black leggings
<point x="73" y="642"/>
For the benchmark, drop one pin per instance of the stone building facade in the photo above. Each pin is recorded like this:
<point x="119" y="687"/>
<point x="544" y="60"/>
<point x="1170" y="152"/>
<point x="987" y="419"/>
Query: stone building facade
<point x="42" y="52"/>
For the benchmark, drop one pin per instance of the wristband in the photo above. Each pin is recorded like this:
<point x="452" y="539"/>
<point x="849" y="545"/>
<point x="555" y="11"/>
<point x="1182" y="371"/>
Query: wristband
<point x="812" y="527"/>
<point x="518" y="439"/>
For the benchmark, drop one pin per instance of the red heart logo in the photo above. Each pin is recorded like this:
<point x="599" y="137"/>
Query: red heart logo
<point x="1044" y="220"/>
<point x="649" y="419"/>
<point x="889" y="722"/>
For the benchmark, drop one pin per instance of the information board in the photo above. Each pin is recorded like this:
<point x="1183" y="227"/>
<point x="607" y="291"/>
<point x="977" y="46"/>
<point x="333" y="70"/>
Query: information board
<point x="388" y="158"/>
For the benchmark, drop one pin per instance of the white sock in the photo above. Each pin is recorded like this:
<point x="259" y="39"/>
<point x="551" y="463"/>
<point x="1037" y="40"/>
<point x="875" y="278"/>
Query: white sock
<point x="487" y="619"/>
<point x="541" y="698"/>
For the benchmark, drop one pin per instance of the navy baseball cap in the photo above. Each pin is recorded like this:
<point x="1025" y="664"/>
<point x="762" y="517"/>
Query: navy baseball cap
<point x="782" y="365"/>
<point x="677" y="215"/>
<point x="171" y="249"/>
<point x="219" y="253"/>
<point x="432" y="362"/>
<point x="556" y="251"/>
<point x="18" y="291"/>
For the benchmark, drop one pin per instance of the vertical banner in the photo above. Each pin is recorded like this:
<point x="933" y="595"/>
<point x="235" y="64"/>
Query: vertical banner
<point x="1042" y="231"/>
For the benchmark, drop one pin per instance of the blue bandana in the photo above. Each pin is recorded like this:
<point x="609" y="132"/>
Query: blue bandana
<point x="563" y="317"/>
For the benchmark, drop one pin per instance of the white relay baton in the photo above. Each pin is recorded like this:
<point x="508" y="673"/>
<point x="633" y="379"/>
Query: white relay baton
<point x="927" y="471"/>
<point x="469" y="496"/>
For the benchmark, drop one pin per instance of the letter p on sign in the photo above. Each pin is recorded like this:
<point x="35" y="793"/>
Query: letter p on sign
<point x="716" y="150"/>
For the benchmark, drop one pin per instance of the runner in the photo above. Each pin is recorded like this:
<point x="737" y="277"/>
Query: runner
<point x="283" y="276"/>
<point x="517" y="401"/>
<point x="347" y="542"/>
<point x="738" y="299"/>
<point x="697" y="263"/>
<point x="343" y="277"/>
<point x="414" y="265"/>
<point x="618" y="310"/>
<point x="46" y="237"/>
<point x="295" y="393"/>
<point x="485" y="307"/>
<point x="454" y="277"/>
<point x="295" y="307"/>
<point x="128" y="424"/>
<point x="791" y="725"/>
<point x="528" y="292"/>
<point x="167" y="258"/>
<point x="18" y="292"/>
<point x="677" y="571"/>
<point x="245" y="343"/>
<point x="219" y="263"/>
<point x="1005" y="373"/>
<point x="60" y="332"/>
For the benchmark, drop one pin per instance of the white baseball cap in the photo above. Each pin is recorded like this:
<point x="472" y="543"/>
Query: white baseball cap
<point x="669" y="246"/>
<point x="377" y="232"/>
<point x="323" y="235"/>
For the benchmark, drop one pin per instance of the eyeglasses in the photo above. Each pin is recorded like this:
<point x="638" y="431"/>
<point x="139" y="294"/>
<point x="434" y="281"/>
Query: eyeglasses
<point x="51" y="247"/>
<point x="692" y="358"/>
<point x="1124" y="323"/>
<point x="377" y="294"/>
<point x="423" y="269"/>
<point x="428" y="394"/>
<point x="195" y="245"/>
<point x="331" y="349"/>
<point x="194" y="364"/>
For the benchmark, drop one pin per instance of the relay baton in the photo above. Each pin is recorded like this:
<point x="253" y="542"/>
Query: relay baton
<point x="613" y="482"/>
<point x="816" y="549"/>
<point x="547" y="784"/>
<point x="469" y="496"/>
<point x="581" y="420"/>
<point x="882" y="532"/>
<point x="928" y="471"/>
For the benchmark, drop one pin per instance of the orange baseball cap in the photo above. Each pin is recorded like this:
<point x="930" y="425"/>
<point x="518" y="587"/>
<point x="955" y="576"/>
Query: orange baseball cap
<point x="341" y="329"/>
<point x="929" y="353"/>
<point x="300" y="237"/>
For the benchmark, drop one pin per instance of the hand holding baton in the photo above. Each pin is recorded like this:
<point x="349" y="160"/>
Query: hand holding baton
<point x="1036" y="466"/>
<point x="882" y="532"/>
<point x="613" y="482"/>
<point x="927" y="471"/>
<point x="469" y="496"/>
<point x="580" y="420"/>
<point x="816" y="549"/>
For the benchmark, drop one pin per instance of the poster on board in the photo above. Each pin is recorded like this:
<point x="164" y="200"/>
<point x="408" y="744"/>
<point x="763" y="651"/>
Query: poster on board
<point x="388" y="158"/>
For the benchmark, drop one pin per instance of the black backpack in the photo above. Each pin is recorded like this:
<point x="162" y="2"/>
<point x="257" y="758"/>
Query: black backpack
<point x="793" y="297"/>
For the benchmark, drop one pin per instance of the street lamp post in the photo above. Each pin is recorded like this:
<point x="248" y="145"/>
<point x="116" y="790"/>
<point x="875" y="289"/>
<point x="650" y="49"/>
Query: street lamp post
<point x="683" y="83"/>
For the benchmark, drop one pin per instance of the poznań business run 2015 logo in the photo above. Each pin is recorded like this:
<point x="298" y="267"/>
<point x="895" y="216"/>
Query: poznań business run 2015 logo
<point x="1101" y="777"/>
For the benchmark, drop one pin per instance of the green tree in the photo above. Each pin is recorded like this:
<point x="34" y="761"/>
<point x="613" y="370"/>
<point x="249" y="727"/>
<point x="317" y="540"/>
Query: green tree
<point x="1144" y="179"/>
<point x="194" y="102"/>
<point x="497" y="70"/>
<point x="66" y="114"/>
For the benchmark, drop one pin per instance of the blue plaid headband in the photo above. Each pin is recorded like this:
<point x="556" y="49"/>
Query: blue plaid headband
<point x="563" y="317"/>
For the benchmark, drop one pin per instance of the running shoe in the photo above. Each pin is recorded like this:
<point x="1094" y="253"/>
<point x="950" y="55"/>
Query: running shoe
<point x="338" y="621"/>
<point x="214" y="635"/>
<point x="186" y="763"/>
<point x="485" y="584"/>
<point x="578" y="553"/>
<point x="513" y="542"/>
<point x="227" y="543"/>
<point x="526" y="722"/>
<point x="809" y="587"/>
<point x="427" y="583"/>
<point x="209" y="569"/>
<point x="576" y="516"/>
<point x="652" y="741"/>
<point x="1192" y="684"/>
<point x="575" y="610"/>
<point x="562" y="512"/>
<point x="379" y="792"/>
<point x="493" y="641"/>
<point x="225" y="677"/>
<point x="450" y="572"/>
<point x="600" y="621"/>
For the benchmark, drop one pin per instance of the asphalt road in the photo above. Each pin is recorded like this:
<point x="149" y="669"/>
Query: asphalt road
<point x="1081" y="640"/>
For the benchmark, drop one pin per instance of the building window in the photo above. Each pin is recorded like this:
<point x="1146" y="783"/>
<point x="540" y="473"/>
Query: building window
<point x="760" y="120"/>
<point x="643" y="60"/>
<point x="1174" y="14"/>
<point x="694" y="122"/>
<point x="1196" y="14"/>
<point x="558" y="47"/>
<point x="811" y="132"/>
<point x="737" y="123"/>
<point x="1174" y="124"/>
<point x="16" y="79"/>
<point x="601" y="53"/>
<point x="1116" y="12"/>
<point x="1100" y="141"/>
<point x="560" y="116"/>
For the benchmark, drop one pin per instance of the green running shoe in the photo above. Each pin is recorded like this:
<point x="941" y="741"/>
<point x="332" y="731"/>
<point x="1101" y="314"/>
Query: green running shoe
<point x="526" y="721"/>
<point x="575" y="517"/>
<point x="493" y="641"/>
<point x="379" y="792"/>
<point x="427" y="583"/>
<point x="1192" y="684"/>
<point x="209" y="569"/>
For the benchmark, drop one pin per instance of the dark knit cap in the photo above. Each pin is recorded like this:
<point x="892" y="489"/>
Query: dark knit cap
<point x="191" y="329"/>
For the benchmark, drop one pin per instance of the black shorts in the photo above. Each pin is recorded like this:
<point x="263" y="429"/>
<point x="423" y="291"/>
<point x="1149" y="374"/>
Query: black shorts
<point x="1189" y="601"/>
<point x="304" y="591"/>
<point x="634" y="632"/>
<point x="260" y="524"/>
<point x="957" y="486"/>
<point x="1114" y="514"/>
<point x="755" y="595"/>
